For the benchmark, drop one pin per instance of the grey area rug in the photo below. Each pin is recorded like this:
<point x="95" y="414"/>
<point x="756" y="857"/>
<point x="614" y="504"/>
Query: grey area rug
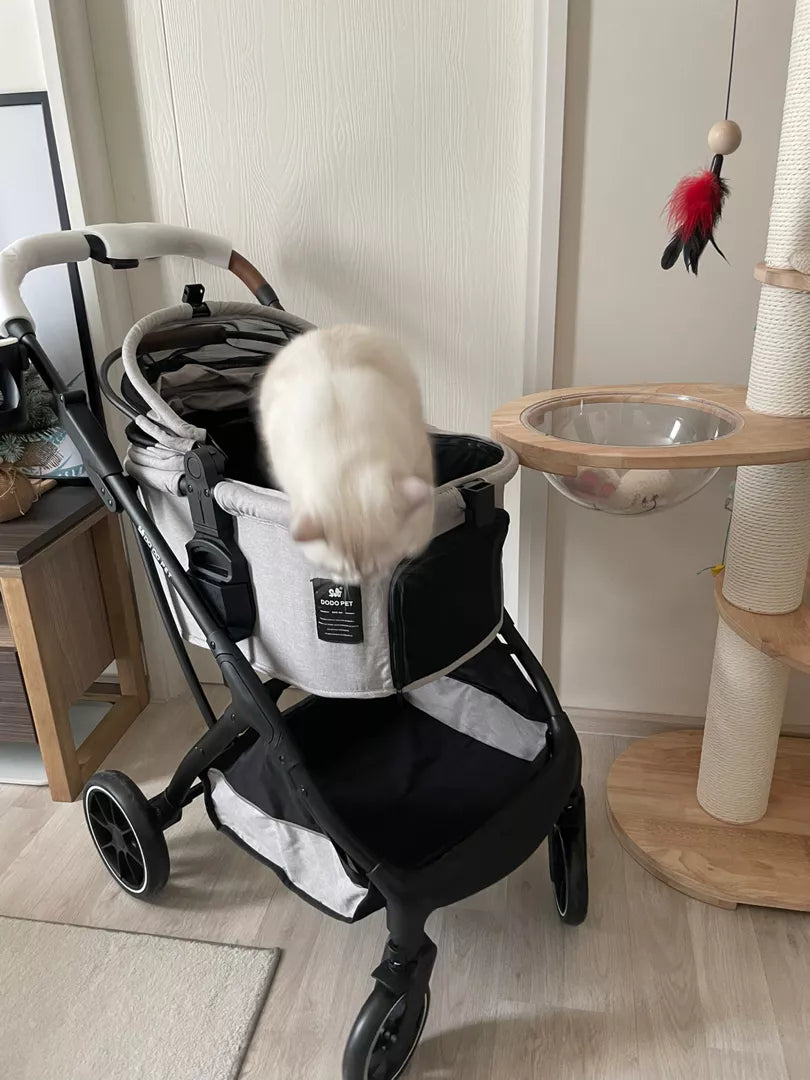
<point x="84" y="1004"/>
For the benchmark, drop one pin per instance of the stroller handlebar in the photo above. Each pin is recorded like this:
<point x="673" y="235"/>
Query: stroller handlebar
<point x="121" y="246"/>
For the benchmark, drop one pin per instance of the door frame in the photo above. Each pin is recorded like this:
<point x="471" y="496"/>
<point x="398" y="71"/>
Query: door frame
<point x="548" y="111"/>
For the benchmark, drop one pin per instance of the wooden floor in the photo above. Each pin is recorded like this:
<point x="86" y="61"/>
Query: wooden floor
<point x="654" y="986"/>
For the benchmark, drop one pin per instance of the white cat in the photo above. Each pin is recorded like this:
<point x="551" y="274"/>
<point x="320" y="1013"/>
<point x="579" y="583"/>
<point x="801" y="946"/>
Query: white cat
<point x="340" y="416"/>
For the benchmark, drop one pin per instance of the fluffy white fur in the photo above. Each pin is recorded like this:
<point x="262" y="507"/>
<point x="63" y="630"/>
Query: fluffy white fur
<point x="340" y="416"/>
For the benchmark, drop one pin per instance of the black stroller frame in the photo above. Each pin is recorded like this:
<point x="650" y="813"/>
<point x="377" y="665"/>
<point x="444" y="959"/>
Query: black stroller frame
<point x="132" y="827"/>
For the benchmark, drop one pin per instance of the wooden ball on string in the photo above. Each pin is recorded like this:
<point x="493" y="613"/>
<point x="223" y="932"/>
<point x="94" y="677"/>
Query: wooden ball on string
<point x="724" y="137"/>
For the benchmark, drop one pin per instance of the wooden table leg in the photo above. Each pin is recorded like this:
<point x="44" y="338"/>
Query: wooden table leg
<point x="122" y="614"/>
<point x="48" y="705"/>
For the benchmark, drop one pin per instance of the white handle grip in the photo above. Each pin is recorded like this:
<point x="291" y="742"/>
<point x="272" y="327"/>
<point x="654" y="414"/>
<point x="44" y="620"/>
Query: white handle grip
<point x="125" y="243"/>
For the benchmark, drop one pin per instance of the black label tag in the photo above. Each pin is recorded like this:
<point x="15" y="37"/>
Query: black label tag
<point x="338" y="611"/>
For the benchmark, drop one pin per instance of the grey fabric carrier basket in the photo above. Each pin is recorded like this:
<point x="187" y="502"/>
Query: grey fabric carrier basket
<point x="431" y="615"/>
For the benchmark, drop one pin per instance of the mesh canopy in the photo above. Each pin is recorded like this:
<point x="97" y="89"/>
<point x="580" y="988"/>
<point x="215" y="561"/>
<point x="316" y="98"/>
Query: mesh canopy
<point x="200" y="382"/>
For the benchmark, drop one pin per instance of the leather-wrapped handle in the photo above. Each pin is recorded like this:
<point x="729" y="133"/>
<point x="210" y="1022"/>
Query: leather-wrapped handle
<point x="119" y="245"/>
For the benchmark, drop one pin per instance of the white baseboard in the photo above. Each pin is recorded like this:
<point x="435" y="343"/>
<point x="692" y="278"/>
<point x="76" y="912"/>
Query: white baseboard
<point x="637" y="725"/>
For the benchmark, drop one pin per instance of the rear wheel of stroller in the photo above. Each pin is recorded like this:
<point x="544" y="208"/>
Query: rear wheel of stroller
<point x="568" y="862"/>
<point x="127" y="837"/>
<point x="385" y="1034"/>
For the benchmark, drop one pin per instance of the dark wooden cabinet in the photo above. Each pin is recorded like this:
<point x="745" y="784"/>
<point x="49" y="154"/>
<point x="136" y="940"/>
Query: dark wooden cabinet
<point x="16" y="722"/>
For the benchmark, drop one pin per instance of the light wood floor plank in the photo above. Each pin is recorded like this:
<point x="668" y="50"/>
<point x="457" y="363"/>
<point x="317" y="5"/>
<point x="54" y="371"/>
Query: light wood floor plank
<point x="736" y="1006"/>
<point x="745" y="1065"/>
<point x="19" y="825"/>
<point x="784" y="944"/>
<point x="668" y="1011"/>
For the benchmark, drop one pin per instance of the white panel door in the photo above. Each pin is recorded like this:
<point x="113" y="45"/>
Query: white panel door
<point x="373" y="157"/>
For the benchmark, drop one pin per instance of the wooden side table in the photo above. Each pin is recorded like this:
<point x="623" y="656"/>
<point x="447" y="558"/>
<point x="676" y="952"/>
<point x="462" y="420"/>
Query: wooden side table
<point x="68" y="612"/>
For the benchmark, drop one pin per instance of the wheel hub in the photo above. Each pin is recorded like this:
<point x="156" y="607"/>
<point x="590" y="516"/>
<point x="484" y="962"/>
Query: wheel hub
<point x="128" y="838"/>
<point x="116" y="840"/>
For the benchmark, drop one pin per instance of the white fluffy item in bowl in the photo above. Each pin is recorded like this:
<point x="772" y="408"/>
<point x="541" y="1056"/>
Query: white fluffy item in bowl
<point x="623" y="491"/>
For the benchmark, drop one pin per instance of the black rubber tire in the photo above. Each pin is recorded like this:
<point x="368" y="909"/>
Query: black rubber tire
<point x="568" y="863"/>
<point x="364" y="1057"/>
<point x="126" y="835"/>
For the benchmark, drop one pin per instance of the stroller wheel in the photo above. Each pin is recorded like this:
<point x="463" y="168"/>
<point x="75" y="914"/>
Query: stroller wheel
<point x="568" y="863"/>
<point x="127" y="837"/>
<point x="385" y="1034"/>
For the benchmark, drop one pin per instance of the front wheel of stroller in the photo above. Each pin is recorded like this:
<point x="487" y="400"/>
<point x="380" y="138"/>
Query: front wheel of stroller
<point x="385" y="1034"/>
<point x="127" y="836"/>
<point x="568" y="862"/>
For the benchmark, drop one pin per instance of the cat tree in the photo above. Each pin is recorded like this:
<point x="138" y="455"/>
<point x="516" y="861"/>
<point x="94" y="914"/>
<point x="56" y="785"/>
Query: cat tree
<point x="769" y="540"/>
<point x="724" y="814"/>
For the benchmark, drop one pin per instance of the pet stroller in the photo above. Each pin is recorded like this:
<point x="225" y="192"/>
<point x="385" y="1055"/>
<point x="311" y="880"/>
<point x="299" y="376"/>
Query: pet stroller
<point x="430" y="756"/>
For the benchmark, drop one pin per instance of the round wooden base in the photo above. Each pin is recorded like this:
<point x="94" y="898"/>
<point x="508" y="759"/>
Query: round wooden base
<point x="654" y="812"/>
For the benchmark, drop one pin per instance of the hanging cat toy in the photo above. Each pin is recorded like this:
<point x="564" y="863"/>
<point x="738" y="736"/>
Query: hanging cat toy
<point x="694" y="207"/>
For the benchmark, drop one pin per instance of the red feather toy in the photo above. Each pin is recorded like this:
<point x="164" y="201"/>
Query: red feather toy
<point x="694" y="207"/>
<point x="693" y="211"/>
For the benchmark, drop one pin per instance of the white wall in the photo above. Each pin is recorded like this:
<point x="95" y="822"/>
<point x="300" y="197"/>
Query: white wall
<point x="21" y="67"/>
<point x="635" y="624"/>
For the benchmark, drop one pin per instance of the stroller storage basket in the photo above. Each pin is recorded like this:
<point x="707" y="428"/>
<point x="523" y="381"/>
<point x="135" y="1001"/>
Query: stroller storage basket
<point x="413" y="777"/>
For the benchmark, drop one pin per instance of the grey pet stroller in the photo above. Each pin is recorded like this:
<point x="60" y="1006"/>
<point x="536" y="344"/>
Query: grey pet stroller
<point x="430" y="756"/>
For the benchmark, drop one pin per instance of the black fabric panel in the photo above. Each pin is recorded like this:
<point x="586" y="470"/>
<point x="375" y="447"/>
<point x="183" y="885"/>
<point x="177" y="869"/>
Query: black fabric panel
<point x="235" y="434"/>
<point x="252" y="772"/>
<point x="406" y="785"/>
<point x="505" y="840"/>
<point x="447" y="601"/>
<point x="237" y="438"/>
<point x="494" y="671"/>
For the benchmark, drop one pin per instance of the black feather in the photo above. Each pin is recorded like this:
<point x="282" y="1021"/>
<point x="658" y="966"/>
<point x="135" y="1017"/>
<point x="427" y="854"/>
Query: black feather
<point x="716" y="248"/>
<point x="693" y="249"/>
<point x="671" y="252"/>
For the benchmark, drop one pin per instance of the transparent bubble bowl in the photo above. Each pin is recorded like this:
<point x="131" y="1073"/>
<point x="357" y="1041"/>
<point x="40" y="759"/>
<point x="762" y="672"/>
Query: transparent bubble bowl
<point x="602" y="420"/>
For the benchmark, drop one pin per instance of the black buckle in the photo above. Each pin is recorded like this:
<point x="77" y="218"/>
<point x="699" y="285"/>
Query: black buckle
<point x="479" y="502"/>
<point x="193" y="295"/>
<point x="215" y="561"/>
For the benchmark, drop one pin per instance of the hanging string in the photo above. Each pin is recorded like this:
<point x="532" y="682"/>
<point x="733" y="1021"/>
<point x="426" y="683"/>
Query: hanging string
<point x="731" y="60"/>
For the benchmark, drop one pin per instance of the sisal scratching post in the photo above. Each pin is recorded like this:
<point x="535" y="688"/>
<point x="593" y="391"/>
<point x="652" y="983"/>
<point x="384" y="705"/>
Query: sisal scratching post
<point x="744" y="715"/>
<point x="769" y="539"/>
<point x="779" y="381"/>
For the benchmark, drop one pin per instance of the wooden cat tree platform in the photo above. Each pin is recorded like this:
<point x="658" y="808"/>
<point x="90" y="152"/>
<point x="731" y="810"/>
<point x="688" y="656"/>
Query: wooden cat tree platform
<point x="721" y="814"/>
